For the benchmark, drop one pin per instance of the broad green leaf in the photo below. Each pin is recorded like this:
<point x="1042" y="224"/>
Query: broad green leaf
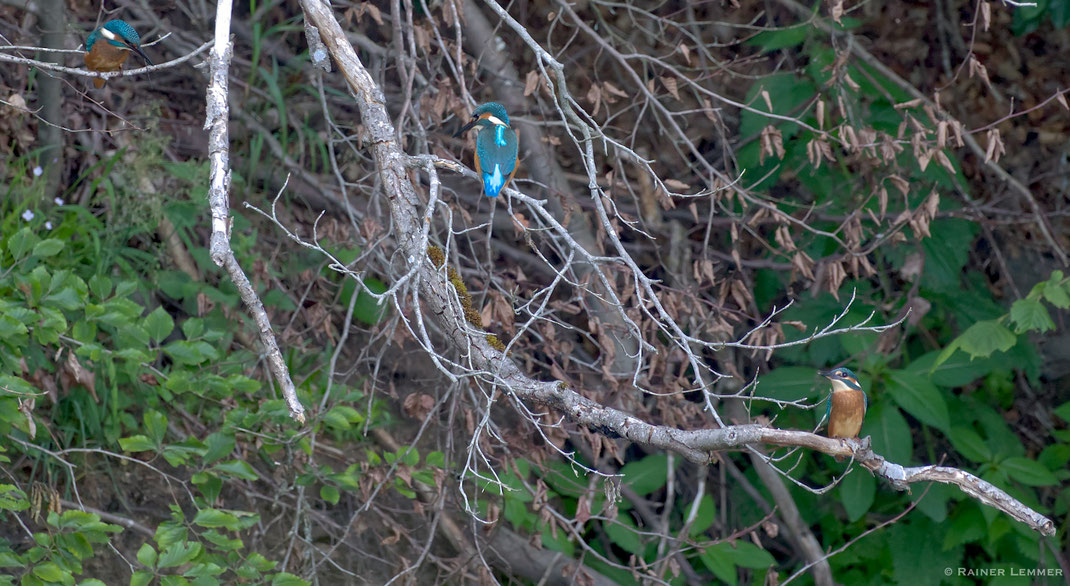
<point x="779" y="39"/>
<point x="718" y="560"/>
<point x="21" y="242"/>
<point x="985" y="337"/>
<point x="647" y="475"/>
<point x="956" y="370"/>
<point x="220" y="444"/>
<point x="367" y="308"/>
<point x="623" y="533"/>
<point x="1056" y="292"/>
<point x="970" y="444"/>
<point x="857" y="491"/>
<point x="704" y="517"/>
<point x="155" y="425"/>
<point x="49" y="572"/>
<point x="100" y="285"/>
<point x="329" y="494"/>
<point x="159" y="324"/>
<point x="890" y="433"/>
<point x="238" y="468"/>
<point x="1063" y="411"/>
<point x="920" y="398"/>
<point x="179" y="553"/>
<point x="137" y="443"/>
<point x="1030" y="315"/>
<point x="216" y="518"/>
<point x="1028" y="472"/>
<point x="789" y="383"/>
<point x="147" y="556"/>
<point x="48" y="247"/>
<point x="286" y="579"/>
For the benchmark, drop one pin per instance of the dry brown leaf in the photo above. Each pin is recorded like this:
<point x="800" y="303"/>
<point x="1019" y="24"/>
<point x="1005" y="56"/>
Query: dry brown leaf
<point x="803" y="264"/>
<point x="614" y="90"/>
<point x="783" y="238"/>
<point x="531" y="82"/>
<point x="671" y="84"/>
<point x="686" y="51"/>
<point x="677" y="185"/>
<point x="995" y="146"/>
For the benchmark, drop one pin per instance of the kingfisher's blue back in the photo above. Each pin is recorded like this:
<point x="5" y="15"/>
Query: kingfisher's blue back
<point x="496" y="157"/>
<point x="496" y="147"/>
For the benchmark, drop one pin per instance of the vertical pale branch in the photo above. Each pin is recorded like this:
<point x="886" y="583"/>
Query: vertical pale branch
<point x="216" y="123"/>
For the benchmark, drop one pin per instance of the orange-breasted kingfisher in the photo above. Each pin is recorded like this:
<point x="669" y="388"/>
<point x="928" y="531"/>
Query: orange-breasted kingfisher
<point x="120" y="39"/>
<point x="496" y="147"/>
<point x="847" y="404"/>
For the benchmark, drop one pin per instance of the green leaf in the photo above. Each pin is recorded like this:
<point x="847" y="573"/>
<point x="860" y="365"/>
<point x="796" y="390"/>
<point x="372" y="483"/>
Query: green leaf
<point x="286" y="579"/>
<point x="367" y="309"/>
<point x="137" y="443"/>
<point x="49" y="572"/>
<point x="1028" y="472"/>
<point x="220" y="444"/>
<point x="1055" y="291"/>
<point x="66" y="298"/>
<point x="21" y="242"/>
<point x="155" y="425"/>
<point x="779" y="39"/>
<point x="970" y="444"/>
<point x="857" y="491"/>
<point x="179" y="553"/>
<point x="238" y="468"/>
<point x="789" y="383"/>
<point x="704" y="517"/>
<point x="216" y="518"/>
<point x="438" y="459"/>
<point x="920" y="398"/>
<point x="100" y="285"/>
<point x="329" y="494"/>
<point x="12" y="498"/>
<point x="718" y="560"/>
<point x="147" y="556"/>
<point x="623" y="533"/>
<point x="1030" y="315"/>
<point x="956" y="370"/>
<point x="985" y="337"/>
<point x="48" y="247"/>
<point x="647" y="475"/>
<point x="890" y="433"/>
<point x="1063" y="411"/>
<point x="159" y="324"/>
<point x="141" y="578"/>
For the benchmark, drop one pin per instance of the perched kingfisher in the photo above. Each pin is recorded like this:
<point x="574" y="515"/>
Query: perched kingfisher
<point x="496" y="147"/>
<point x="109" y="56"/>
<point x="847" y="404"/>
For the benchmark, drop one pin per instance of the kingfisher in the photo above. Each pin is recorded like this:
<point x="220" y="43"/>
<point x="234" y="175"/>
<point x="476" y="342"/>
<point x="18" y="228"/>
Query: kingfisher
<point x="496" y="147"/>
<point x="847" y="404"/>
<point x="121" y="39"/>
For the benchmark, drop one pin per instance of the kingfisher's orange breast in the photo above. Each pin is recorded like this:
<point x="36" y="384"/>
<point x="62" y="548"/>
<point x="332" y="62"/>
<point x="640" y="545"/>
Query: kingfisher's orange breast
<point x="848" y="411"/>
<point x="105" y="57"/>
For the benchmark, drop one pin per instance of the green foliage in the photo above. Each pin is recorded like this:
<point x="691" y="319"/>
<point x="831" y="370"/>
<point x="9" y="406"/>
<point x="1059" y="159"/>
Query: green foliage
<point x="144" y="353"/>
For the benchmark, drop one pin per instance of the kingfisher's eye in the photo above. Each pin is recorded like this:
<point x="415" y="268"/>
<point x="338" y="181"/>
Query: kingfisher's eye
<point x="841" y="373"/>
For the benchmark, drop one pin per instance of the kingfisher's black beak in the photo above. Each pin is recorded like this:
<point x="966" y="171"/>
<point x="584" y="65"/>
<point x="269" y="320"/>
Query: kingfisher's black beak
<point x="825" y="373"/>
<point x="137" y="49"/>
<point x="466" y="127"/>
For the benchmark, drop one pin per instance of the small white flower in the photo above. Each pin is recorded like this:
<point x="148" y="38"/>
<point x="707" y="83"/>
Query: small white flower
<point x="48" y="225"/>
<point x="59" y="201"/>
<point x="27" y="215"/>
<point x="38" y="171"/>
